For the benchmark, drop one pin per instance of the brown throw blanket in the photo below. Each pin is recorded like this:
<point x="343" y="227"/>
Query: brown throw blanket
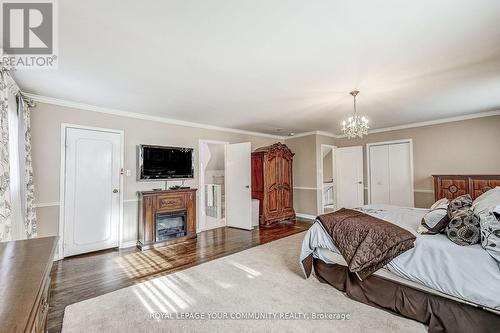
<point x="367" y="243"/>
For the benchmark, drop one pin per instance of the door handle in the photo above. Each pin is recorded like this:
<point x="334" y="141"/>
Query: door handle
<point x="360" y="182"/>
<point x="247" y="186"/>
<point x="115" y="190"/>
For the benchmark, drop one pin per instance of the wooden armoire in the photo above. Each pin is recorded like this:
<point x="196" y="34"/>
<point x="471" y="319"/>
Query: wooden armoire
<point x="272" y="183"/>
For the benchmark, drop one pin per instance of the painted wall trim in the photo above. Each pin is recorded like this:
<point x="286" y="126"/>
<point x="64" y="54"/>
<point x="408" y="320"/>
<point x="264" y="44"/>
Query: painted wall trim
<point x="128" y="244"/>
<point x="128" y="114"/>
<point x="57" y="203"/>
<point x="306" y="216"/>
<point x="423" y="191"/>
<point x="46" y="204"/>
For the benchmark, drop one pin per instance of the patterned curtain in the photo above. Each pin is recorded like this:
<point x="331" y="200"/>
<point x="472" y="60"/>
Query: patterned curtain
<point x="28" y="187"/>
<point x="5" y="207"/>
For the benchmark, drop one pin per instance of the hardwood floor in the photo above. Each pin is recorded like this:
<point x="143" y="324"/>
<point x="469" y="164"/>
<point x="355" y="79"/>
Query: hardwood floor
<point x="86" y="276"/>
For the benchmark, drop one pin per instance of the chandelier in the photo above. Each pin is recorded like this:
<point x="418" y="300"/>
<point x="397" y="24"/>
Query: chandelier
<point x="355" y="126"/>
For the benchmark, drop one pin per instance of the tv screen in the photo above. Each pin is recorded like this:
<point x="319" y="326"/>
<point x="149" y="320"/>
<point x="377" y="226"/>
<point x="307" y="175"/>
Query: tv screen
<point x="156" y="162"/>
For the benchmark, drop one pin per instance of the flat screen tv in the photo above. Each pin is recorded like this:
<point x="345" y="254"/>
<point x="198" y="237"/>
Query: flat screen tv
<point x="157" y="162"/>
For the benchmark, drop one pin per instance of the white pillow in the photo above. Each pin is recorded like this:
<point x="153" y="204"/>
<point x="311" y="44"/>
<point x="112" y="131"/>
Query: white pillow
<point x="490" y="232"/>
<point x="436" y="219"/>
<point x="486" y="202"/>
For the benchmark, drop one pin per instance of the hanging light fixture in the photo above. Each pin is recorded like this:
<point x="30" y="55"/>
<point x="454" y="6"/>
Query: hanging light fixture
<point x="355" y="126"/>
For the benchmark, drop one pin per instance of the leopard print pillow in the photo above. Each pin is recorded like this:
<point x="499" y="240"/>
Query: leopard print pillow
<point x="464" y="228"/>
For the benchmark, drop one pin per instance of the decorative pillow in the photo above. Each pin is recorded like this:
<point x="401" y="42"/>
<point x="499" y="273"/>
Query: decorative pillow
<point x="464" y="228"/>
<point x="463" y="201"/>
<point x="436" y="219"/>
<point x="486" y="202"/>
<point x="490" y="232"/>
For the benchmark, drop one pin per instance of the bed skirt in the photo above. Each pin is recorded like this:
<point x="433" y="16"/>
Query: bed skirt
<point x="440" y="314"/>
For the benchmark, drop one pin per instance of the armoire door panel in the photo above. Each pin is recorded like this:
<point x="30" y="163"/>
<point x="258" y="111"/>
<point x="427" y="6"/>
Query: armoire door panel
<point x="272" y="185"/>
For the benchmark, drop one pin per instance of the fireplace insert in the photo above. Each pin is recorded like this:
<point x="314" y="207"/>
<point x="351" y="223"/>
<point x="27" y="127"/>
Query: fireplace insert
<point x="170" y="225"/>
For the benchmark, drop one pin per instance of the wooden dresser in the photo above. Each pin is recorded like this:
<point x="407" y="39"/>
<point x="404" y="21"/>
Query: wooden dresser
<point x="272" y="183"/>
<point x="24" y="284"/>
<point x="155" y="203"/>
<point x="452" y="186"/>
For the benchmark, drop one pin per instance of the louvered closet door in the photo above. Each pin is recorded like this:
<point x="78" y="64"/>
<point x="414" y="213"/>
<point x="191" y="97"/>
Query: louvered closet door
<point x="390" y="174"/>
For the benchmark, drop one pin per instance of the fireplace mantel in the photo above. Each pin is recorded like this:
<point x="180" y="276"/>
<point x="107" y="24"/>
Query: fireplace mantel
<point x="153" y="202"/>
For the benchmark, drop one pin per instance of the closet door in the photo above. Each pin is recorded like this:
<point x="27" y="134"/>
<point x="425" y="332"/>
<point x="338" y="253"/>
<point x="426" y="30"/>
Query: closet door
<point x="379" y="175"/>
<point x="400" y="176"/>
<point x="391" y="178"/>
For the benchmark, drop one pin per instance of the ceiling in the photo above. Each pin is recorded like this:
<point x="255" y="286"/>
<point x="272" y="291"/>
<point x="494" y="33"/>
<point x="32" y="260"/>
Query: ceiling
<point x="261" y="65"/>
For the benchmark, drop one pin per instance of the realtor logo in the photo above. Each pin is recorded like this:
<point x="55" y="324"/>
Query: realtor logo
<point x="28" y="33"/>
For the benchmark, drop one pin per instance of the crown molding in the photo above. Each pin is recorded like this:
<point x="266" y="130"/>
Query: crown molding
<point x="128" y="114"/>
<point x="405" y="126"/>
<point x="323" y="133"/>
<point x="437" y="121"/>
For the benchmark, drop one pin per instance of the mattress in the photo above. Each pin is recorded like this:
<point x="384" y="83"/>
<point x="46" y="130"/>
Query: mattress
<point x="435" y="265"/>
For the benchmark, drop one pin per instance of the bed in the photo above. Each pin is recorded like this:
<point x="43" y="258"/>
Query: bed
<point x="450" y="288"/>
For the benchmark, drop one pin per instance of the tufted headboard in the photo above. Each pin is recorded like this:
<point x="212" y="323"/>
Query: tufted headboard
<point x="452" y="186"/>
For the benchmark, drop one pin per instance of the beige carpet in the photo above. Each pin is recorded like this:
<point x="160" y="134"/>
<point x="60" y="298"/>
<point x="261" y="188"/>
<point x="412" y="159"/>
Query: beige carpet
<point x="263" y="279"/>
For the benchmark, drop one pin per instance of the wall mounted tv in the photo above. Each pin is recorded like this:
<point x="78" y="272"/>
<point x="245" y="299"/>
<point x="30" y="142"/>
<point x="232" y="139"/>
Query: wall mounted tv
<point x="158" y="162"/>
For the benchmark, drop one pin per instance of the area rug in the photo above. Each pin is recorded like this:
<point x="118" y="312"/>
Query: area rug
<point x="261" y="289"/>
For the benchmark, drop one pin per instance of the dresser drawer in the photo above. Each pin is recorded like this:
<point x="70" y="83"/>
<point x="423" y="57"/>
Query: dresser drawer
<point x="171" y="202"/>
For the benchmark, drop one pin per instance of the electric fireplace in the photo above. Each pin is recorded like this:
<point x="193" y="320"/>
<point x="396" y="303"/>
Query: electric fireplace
<point x="170" y="225"/>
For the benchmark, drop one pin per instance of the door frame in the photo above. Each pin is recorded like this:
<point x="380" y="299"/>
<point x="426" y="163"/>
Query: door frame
<point x="62" y="181"/>
<point x="202" y="190"/>
<point x="368" y="172"/>
<point x="332" y="147"/>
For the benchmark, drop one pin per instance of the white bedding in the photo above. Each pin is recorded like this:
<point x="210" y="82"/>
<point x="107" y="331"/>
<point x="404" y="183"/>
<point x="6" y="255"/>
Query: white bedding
<point x="465" y="272"/>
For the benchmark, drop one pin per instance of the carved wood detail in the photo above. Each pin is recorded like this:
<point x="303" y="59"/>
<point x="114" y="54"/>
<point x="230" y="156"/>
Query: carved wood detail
<point x="452" y="186"/>
<point x="272" y="183"/>
<point x="152" y="202"/>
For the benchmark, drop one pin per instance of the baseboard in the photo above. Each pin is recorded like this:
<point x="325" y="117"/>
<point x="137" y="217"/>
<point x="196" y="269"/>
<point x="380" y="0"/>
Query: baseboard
<point x="128" y="244"/>
<point x="306" y="216"/>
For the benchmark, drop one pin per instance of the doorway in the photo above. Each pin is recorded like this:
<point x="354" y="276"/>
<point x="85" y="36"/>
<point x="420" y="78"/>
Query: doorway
<point x="91" y="182"/>
<point x="212" y="184"/>
<point x="327" y="176"/>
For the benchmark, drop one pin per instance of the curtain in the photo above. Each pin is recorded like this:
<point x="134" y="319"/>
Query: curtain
<point x="26" y="168"/>
<point x="17" y="211"/>
<point x="5" y="205"/>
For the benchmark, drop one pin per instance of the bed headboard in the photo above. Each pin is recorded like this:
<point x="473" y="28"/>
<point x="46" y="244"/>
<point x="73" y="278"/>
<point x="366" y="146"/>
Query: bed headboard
<point x="452" y="186"/>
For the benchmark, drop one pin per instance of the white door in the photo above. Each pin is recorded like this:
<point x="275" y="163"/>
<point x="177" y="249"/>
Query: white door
<point x="349" y="176"/>
<point x="379" y="175"/>
<point x="92" y="190"/>
<point x="238" y="191"/>
<point x="400" y="175"/>
<point x="391" y="177"/>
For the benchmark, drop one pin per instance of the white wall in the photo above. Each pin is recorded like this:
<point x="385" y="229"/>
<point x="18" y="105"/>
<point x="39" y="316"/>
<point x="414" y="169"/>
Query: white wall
<point x="46" y="136"/>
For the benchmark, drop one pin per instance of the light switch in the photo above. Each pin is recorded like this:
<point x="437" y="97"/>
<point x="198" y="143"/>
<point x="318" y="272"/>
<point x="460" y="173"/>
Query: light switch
<point x="128" y="173"/>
